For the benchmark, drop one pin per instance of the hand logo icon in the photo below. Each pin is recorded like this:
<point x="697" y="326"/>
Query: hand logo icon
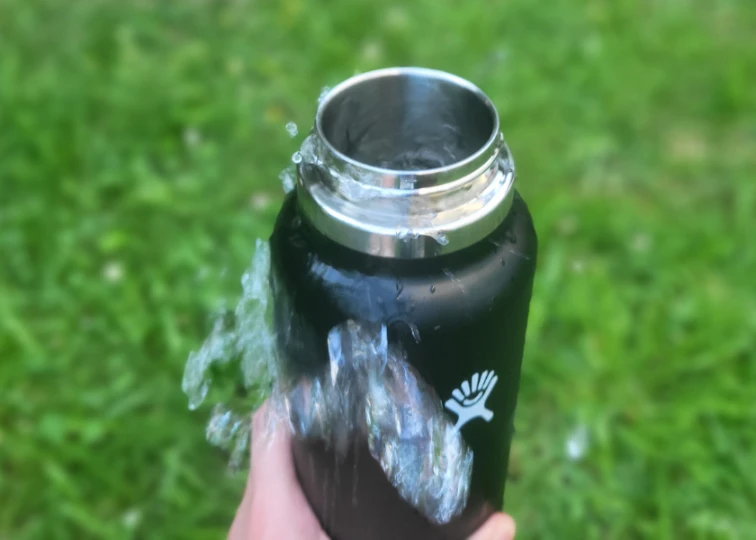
<point x="469" y="400"/>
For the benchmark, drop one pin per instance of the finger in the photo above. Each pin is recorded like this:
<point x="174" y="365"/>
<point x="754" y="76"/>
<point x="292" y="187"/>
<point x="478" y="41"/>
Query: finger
<point x="498" y="527"/>
<point x="274" y="506"/>
<point x="271" y="449"/>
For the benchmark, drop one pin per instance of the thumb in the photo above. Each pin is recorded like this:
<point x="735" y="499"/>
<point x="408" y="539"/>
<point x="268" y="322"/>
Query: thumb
<point x="498" y="527"/>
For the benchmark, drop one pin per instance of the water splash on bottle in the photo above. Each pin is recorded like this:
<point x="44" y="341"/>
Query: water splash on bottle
<point x="439" y="237"/>
<point x="415" y="332"/>
<point x="370" y="389"/>
<point x="367" y="391"/>
<point x="323" y="93"/>
<point x="217" y="349"/>
<point x="231" y="431"/>
<point x="288" y="178"/>
<point x="404" y="235"/>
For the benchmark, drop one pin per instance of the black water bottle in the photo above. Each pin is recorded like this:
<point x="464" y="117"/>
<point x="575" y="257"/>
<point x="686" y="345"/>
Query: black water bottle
<point x="405" y="214"/>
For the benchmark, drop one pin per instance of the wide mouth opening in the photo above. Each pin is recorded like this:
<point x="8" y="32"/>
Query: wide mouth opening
<point x="407" y="119"/>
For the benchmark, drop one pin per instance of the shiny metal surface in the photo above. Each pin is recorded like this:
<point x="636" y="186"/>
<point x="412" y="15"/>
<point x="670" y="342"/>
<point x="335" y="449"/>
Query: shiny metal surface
<point x="405" y="163"/>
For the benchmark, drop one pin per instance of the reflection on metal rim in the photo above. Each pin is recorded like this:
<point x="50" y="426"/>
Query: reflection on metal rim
<point x="405" y="163"/>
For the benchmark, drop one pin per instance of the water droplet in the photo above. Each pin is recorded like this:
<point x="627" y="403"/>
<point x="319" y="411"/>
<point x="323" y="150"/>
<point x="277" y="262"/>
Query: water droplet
<point x="406" y="182"/>
<point x="288" y="179"/>
<point x="403" y="235"/>
<point x="399" y="288"/>
<point x="503" y="261"/>
<point x="437" y="327"/>
<point x="248" y="337"/>
<point x="432" y="289"/>
<point x="520" y="255"/>
<point x="312" y="150"/>
<point x="296" y="158"/>
<point x="415" y="332"/>
<point x="448" y="273"/>
<point x="442" y="239"/>
<point x="323" y="93"/>
<point x="291" y="127"/>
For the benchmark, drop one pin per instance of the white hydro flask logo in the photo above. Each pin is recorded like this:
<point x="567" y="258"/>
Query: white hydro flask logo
<point x="469" y="400"/>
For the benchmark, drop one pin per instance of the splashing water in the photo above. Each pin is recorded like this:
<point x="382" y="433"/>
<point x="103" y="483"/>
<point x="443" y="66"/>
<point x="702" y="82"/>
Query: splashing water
<point x="231" y="431"/>
<point x="353" y="182"/>
<point x="367" y="391"/>
<point x="312" y="150"/>
<point x="255" y="340"/>
<point x="420" y="452"/>
<point x="440" y="237"/>
<point x="217" y="348"/>
<point x="247" y="337"/>
<point x="371" y="390"/>
<point x="403" y="235"/>
<point x="292" y="129"/>
<point x="288" y="178"/>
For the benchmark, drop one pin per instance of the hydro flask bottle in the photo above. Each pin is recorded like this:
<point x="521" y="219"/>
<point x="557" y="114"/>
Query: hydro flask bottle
<point x="405" y="214"/>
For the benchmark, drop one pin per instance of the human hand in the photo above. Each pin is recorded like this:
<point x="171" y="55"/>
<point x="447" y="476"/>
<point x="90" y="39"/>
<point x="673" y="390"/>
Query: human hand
<point x="274" y="507"/>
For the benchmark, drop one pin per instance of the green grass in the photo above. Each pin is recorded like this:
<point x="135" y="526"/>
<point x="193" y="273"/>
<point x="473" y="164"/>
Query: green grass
<point x="140" y="140"/>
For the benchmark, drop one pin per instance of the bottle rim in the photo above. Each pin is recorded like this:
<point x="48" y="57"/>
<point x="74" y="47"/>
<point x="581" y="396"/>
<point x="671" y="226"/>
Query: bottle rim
<point x="447" y="172"/>
<point x="401" y="212"/>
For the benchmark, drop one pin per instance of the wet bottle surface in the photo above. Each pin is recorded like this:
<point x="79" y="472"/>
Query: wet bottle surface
<point x="405" y="215"/>
<point x="457" y="315"/>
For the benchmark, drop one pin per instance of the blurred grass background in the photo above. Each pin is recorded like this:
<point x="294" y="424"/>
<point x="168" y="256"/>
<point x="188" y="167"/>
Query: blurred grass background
<point x="140" y="145"/>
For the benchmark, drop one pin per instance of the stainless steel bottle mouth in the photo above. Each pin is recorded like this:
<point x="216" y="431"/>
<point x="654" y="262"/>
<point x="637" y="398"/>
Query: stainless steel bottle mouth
<point x="405" y="163"/>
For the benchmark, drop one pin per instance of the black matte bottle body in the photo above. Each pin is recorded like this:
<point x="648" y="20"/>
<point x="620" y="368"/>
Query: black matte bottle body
<point x="458" y="316"/>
